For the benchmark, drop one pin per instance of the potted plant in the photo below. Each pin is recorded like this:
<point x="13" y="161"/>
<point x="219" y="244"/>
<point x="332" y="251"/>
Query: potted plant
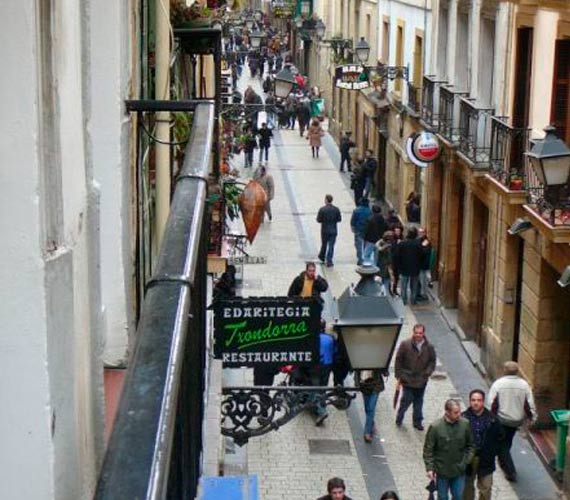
<point x="516" y="182"/>
<point x="195" y="16"/>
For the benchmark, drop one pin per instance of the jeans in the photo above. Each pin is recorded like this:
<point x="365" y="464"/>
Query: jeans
<point x="359" y="244"/>
<point x="370" y="253"/>
<point x="261" y="150"/>
<point x="327" y="247"/>
<point x="368" y="186"/>
<point x="270" y="119"/>
<point x="370" y="401"/>
<point x="413" y="282"/>
<point x="409" y="396"/>
<point x="248" y="158"/>
<point x="504" y="455"/>
<point x="345" y="159"/>
<point x="320" y="377"/>
<point x="447" y="484"/>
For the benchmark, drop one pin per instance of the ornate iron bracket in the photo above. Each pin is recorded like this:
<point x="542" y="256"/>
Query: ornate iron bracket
<point x="253" y="411"/>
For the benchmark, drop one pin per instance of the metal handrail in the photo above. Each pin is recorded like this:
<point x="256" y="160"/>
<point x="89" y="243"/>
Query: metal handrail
<point x="154" y="450"/>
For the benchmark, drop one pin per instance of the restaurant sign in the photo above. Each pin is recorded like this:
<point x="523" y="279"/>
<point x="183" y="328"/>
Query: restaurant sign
<point x="267" y="330"/>
<point x="351" y="77"/>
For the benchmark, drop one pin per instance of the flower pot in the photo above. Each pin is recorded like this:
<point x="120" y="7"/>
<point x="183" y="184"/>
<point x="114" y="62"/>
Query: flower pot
<point x="516" y="184"/>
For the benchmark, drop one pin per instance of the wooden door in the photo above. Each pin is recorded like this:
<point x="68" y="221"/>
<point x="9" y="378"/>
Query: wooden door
<point x="560" y="112"/>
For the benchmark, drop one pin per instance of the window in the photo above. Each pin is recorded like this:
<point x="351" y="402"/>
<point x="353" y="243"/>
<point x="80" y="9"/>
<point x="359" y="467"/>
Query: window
<point x="560" y="109"/>
<point x="368" y="32"/>
<point x="399" y="55"/>
<point x="418" y="61"/>
<point x="386" y="42"/>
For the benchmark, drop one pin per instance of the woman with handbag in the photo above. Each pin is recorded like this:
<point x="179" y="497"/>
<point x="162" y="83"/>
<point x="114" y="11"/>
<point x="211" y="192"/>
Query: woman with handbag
<point x="371" y="384"/>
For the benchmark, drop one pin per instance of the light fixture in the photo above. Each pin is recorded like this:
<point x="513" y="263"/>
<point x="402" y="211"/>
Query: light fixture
<point x="249" y="22"/>
<point x="362" y="50"/>
<point x="256" y="37"/>
<point x="519" y="226"/>
<point x="320" y="28"/>
<point x="284" y="81"/>
<point x="550" y="159"/>
<point x="258" y="15"/>
<point x="299" y="22"/>
<point x="217" y="24"/>
<point x="369" y="322"/>
<point x="564" y="280"/>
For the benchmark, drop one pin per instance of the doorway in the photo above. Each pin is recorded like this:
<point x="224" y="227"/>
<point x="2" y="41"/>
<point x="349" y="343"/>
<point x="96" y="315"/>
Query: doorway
<point x="480" y="240"/>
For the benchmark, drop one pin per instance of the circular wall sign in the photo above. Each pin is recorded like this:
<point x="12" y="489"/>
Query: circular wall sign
<point x="422" y="148"/>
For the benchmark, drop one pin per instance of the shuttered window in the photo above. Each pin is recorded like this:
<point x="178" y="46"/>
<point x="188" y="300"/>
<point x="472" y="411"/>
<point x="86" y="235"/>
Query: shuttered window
<point x="560" y="112"/>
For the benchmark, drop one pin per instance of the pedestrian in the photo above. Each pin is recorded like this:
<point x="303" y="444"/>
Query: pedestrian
<point x="487" y="435"/>
<point x="385" y="264"/>
<point x="369" y="168"/>
<point x="511" y="400"/>
<point x="270" y="109"/>
<point x="249" y="145"/>
<point x="320" y="373"/>
<point x="371" y="384"/>
<point x="328" y="217"/>
<point x="315" y="134"/>
<point x="375" y="229"/>
<point x="393" y="220"/>
<point x="336" y="490"/>
<point x="413" y="211"/>
<point x="308" y="284"/>
<point x="265" y="135"/>
<point x="389" y="495"/>
<point x="265" y="180"/>
<point x="358" y="221"/>
<point x="341" y="364"/>
<point x="428" y="256"/>
<point x="303" y="114"/>
<point x="290" y="108"/>
<point x="415" y="362"/>
<point x="408" y="259"/>
<point x="448" y="449"/>
<point x="357" y="180"/>
<point x="346" y="143"/>
<point x="267" y="84"/>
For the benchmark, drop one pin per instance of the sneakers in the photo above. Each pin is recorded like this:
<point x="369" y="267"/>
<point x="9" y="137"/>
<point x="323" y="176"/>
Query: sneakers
<point x="398" y="423"/>
<point x="321" y="419"/>
<point x="419" y="427"/>
<point x="367" y="438"/>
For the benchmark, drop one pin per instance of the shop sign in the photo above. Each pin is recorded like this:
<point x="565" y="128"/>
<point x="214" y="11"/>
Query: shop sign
<point x="351" y="77"/>
<point x="267" y="330"/>
<point x="422" y="148"/>
<point x="247" y="259"/>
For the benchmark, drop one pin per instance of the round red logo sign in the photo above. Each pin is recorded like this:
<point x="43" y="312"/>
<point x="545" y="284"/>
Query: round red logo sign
<point x="422" y="148"/>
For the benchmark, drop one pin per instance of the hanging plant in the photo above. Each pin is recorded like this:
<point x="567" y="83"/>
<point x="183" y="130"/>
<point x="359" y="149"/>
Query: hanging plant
<point x="195" y="16"/>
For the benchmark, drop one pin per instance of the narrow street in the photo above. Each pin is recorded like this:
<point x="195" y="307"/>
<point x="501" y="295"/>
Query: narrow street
<point x="285" y="461"/>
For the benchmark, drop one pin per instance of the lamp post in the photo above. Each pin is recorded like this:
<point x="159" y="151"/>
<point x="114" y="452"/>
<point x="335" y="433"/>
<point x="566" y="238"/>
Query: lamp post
<point x="320" y="28"/>
<point x="550" y="159"/>
<point x="362" y="50"/>
<point x="256" y="37"/>
<point x="284" y="81"/>
<point x="249" y="23"/>
<point x="369" y="322"/>
<point x="299" y="22"/>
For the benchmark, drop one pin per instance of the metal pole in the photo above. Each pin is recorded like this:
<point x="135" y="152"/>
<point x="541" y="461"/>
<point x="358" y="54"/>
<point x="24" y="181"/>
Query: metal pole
<point x="162" y="92"/>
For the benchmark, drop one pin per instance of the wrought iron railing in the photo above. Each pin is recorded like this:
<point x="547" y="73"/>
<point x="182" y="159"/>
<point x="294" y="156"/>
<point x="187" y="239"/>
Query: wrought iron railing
<point x="507" y="159"/>
<point x="430" y="101"/>
<point x="448" y="124"/>
<point x="414" y="98"/>
<point x="155" y="448"/>
<point x="475" y="132"/>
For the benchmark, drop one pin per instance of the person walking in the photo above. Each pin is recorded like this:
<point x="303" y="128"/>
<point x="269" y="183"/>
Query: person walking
<point x="249" y="144"/>
<point x="448" y="449"/>
<point x="265" y="135"/>
<point x="369" y="167"/>
<point x="315" y="134"/>
<point x="290" y="108"/>
<point x="308" y="284"/>
<point x="265" y="180"/>
<point x="385" y="253"/>
<point x="374" y="230"/>
<point x="336" y="490"/>
<point x="320" y="374"/>
<point x="358" y="221"/>
<point x="413" y="210"/>
<point x="428" y="256"/>
<point x="357" y="180"/>
<point x="487" y="435"/>
<point x="328" y="217"/>
<point x="371" y="384"/>
<point x="510" y="399"/>
<point x="346" y="143"/>
<point x="408" y="259"/>
<point x="303" y="114"/>
<point x="415" y="362"/>
<point x="270" y="109"/>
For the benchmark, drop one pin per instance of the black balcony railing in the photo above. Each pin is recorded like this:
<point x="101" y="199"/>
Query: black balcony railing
<point x="448" y="125"/>
<point x="507" y="159"/>
<point x="430" y="101"/>
<point x="155" y="448"/>
<point x="475" y="132"/>
<point x="414" y="98"/>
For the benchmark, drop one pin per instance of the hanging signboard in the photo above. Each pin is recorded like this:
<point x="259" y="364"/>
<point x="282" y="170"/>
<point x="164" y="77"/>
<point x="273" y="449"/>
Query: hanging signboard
<point x="351" y="77"/>
<point x="422" y="148"/>
<point x="267" y="330"/>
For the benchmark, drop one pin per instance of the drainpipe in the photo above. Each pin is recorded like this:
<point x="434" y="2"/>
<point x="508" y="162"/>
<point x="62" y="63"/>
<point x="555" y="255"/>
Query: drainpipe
<point x="162" y="133"/>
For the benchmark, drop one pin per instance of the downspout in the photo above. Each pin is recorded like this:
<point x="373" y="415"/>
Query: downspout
<point x="162" y="92"/>
<point x="506" y="71"/>
<point x="425" y="39"/>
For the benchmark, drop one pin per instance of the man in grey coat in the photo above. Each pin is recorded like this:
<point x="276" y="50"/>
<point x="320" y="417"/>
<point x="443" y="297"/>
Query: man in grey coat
<point x="266" y="182"/>
<point x="328" y="216"/>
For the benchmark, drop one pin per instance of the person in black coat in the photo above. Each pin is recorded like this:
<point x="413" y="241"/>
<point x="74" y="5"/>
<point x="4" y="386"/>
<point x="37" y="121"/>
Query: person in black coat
<point x="328" y="216"/>
<point x="373" y="232"/>
<point x="369" y="168"/>
<point x="408" y="259"/>
<point x="346" y="143"/>
<point x="265" y="135"/>
<point x="357" y="181"/>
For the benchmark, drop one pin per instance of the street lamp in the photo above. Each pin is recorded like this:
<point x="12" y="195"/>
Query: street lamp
<point x="284" y="81"/>
<point x="249" y="22"/>
<point x="256" y="37"/>
<point x="320" y="28"/>
<point x="258" y="15"/>
<point x="217" y="24"/>
<point x="299" y="22"/>
<point x="369" y="322"/>
<point x="550" y="159"/>
<point x="362" y="50"/>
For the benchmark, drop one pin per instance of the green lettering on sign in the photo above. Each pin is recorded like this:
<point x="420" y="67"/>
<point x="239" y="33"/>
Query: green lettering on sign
<point x="241" y="337"/>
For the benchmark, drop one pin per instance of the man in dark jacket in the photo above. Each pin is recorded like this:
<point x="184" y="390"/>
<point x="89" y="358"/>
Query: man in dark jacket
<point x="375" y="229"/>
<point x="370" y="166"/>
<point x="328" y="216"/>
<point x="408" y="260"/>
<point x="346" y="143"/>
<point x="487" y="434"/>
<point x="308" y="284"/>
<point x="415" y="362"/>
<point x="336" y="490"/>
<point x="265" y="135"/>
<point x="358" y="221"/>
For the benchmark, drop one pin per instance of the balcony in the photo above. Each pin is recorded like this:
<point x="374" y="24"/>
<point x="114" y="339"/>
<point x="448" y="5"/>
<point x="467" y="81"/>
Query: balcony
<point x="475" y="132"/>
<point x="430" y="101"/>
<point x="507" y="161"/>
<point x="414" y="99"/>
<point x="449" y="112"/>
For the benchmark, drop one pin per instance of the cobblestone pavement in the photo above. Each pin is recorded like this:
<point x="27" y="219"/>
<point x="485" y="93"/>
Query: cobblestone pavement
<point x="281" y="459"/>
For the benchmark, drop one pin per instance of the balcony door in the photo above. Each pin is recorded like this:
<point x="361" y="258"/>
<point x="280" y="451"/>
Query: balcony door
<point x="560" y="112"/>
<point x="523" y="71"/>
